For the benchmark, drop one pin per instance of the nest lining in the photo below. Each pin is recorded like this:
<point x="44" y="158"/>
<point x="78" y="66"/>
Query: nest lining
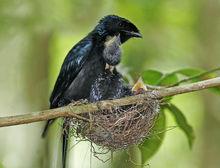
<point x="118" y="127"/>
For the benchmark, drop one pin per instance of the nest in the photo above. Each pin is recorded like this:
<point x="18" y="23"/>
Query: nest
<point x="118" y="127"/>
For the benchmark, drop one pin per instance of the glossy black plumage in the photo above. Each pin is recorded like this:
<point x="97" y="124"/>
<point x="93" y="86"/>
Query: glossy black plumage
<point x="108" y="86"/>
<point x="84" y="62"/>
<point x="72" y="65"/>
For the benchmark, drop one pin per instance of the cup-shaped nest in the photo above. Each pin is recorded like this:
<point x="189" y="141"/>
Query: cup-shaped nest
<point x="119" y="127"/>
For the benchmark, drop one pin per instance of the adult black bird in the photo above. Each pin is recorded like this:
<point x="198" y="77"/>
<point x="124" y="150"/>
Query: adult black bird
<point x="85" y="61"/>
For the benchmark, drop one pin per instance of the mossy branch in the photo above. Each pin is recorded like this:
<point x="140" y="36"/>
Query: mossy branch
<point x="74" y="110"/>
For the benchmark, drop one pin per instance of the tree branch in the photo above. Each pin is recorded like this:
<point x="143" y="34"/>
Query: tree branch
<point x="189" y="87"/>
<point x="74" y="110"/>
<point x="200" y="75"/>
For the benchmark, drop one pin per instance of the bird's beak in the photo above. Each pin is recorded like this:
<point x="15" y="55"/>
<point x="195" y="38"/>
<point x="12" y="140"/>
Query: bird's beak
<point x="132" y="34"/>
<point x="139" y="86"/>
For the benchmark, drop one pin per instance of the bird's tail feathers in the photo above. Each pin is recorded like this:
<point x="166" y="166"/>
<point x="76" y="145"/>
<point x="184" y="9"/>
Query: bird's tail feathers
<point x="44" y="133"/>
<point x="66" y="128"/>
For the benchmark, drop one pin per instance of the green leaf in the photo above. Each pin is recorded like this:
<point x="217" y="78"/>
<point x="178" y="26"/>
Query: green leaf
<point x="151" y="77"/>
<point x="168" y="79"/>
<point x="167" y="99"/>
<point x="215" y="90"/>
<point x="189" y="72"/>
<point x="182" y="123"/>
<point x="151" y="145"/>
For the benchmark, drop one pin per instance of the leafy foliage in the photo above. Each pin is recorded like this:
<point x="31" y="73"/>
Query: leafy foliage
<point x="153" y="77"/>
<point x="182" y="123"/>
<point x="189" y="72"/>
<point x="215" y="90"/>
<point x="168" y="79"/>
<point x="197" y="75"/>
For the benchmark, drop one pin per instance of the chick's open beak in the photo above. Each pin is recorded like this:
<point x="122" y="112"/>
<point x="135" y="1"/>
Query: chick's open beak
<point x="139" y="87"/>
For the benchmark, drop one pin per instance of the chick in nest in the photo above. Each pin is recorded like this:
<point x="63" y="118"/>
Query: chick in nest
<point x="139" y="87"/>
<point x="119" y="127"/>
<point x="109" y="85"/>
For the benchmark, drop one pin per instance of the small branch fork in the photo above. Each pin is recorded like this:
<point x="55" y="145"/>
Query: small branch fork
<point x="74" y="110"/>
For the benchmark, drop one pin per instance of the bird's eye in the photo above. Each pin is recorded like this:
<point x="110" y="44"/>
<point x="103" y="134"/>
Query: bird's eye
<point x="120" y="24"/>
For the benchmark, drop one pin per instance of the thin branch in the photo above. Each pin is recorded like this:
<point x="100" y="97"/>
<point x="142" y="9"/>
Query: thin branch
<point x="74" y="110"/>
<point x="214" y="82"/>
<point x="200" y="75"/>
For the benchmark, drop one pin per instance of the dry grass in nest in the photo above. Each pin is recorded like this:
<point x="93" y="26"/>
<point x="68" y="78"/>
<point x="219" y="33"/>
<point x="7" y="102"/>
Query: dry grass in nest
<point x="119" y="127"/>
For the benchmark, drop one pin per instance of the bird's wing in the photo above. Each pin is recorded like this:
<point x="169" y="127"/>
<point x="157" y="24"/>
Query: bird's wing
<point x="72" y="64"/>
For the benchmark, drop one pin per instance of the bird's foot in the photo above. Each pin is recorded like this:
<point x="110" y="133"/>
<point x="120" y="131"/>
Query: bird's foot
<point x="79" y="102"/>
<point x="110" y="68"/>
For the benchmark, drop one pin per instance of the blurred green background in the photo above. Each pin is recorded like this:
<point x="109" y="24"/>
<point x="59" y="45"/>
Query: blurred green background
<point x="35" y="36"/>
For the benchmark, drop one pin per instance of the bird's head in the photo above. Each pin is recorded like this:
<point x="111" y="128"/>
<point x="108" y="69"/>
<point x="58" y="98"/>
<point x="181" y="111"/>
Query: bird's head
<point x="113" y="25"/>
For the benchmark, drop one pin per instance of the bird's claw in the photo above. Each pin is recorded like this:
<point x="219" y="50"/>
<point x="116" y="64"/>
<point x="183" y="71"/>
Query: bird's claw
<point x="110" y="68"/>
<point x="79" y="102"/>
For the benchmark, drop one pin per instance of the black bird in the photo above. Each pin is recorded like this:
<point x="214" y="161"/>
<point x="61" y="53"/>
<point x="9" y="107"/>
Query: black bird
<point x="85" y="61"/>
<point x="109" y="85"/>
